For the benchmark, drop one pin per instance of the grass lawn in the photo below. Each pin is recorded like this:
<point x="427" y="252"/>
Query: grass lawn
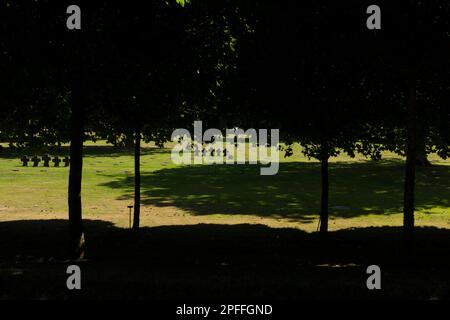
<point x="222" y="231"/>
<point x="362" y="193"/>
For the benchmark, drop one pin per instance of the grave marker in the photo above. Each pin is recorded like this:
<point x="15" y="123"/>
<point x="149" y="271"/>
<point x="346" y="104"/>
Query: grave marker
<point x="56" y="161"/>
<point x="36" y="161"/>
<point x="46" y="158"/>
<point x="25" y="161"/>
<point x="66" y="161"/>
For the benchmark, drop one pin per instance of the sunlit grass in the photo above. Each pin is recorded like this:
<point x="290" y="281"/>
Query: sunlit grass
<point x="362" y="192"/>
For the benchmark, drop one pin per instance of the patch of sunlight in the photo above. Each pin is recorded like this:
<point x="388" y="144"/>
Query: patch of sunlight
<point x="381" y="191"/>
<point x="198" y="196"/>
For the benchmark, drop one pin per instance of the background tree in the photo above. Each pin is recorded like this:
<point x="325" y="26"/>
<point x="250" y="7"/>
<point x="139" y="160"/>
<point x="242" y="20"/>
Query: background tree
<point x="142" y="88"/>
<point x="305" y="79"/>
<point x="408" y="84"/>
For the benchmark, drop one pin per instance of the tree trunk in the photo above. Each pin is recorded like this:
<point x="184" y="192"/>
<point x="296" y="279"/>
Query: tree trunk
<point x="137" y="179"/>
<point x="324" y="195"/>
<point x="410" y="167"/>
<point x="77" y="244"/>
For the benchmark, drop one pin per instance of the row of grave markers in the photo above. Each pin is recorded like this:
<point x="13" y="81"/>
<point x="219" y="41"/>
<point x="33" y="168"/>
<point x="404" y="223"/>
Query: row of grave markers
<point x="46" y="159"/>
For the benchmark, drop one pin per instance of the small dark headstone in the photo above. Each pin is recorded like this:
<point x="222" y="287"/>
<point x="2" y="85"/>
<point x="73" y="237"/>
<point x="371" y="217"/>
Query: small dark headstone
<point x="56" y="161"/>
<point x="36" y="161"/>
<point x="66" y="161"/>
<point x="25" y="161"/>
<point x="46" y="158"/>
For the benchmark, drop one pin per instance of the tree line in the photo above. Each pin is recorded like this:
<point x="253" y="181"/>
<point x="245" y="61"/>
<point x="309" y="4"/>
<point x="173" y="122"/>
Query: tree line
<point x="312" y="69"/>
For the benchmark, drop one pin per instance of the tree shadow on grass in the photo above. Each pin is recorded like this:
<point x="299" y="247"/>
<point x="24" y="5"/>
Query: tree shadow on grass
<point x="356" y="189"/>
<point x="211" y="262"/>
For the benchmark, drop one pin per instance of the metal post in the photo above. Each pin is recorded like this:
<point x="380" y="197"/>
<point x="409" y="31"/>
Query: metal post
<point x="129" y="216"/>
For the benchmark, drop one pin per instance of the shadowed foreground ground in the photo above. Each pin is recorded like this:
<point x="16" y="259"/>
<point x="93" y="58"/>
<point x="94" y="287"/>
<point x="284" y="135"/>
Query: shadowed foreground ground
<point x="213" y="262"/>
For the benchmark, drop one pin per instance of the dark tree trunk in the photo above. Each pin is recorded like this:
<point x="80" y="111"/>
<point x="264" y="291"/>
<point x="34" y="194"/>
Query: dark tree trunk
<point x="137" y="179"/>
<point x="77" y="245"/>
<point x="410" y="167"/>
<point x="324" y="194"/>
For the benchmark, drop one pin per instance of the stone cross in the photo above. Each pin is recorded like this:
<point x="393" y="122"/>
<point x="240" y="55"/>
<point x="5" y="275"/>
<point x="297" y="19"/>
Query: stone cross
<point x="46" y="158"/>
<point x="66" y="161"/>
<point x="56" y="161"/>
<point x="25" y="161"/>
<point x="36" y="161"/>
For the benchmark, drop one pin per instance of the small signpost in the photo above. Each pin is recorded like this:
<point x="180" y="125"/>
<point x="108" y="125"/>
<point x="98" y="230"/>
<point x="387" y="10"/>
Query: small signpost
<point x="129" y="216"/>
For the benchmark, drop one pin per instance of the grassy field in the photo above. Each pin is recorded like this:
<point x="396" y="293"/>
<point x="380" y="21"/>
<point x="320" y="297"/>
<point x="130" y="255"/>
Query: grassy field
<point x="362" y="193"/>
<point x="215" y="232"/>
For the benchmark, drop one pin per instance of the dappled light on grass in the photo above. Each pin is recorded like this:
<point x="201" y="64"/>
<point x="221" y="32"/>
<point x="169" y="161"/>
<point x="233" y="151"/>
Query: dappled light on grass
<point x="356" y="189"/>
<point x="362" y="192"/>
